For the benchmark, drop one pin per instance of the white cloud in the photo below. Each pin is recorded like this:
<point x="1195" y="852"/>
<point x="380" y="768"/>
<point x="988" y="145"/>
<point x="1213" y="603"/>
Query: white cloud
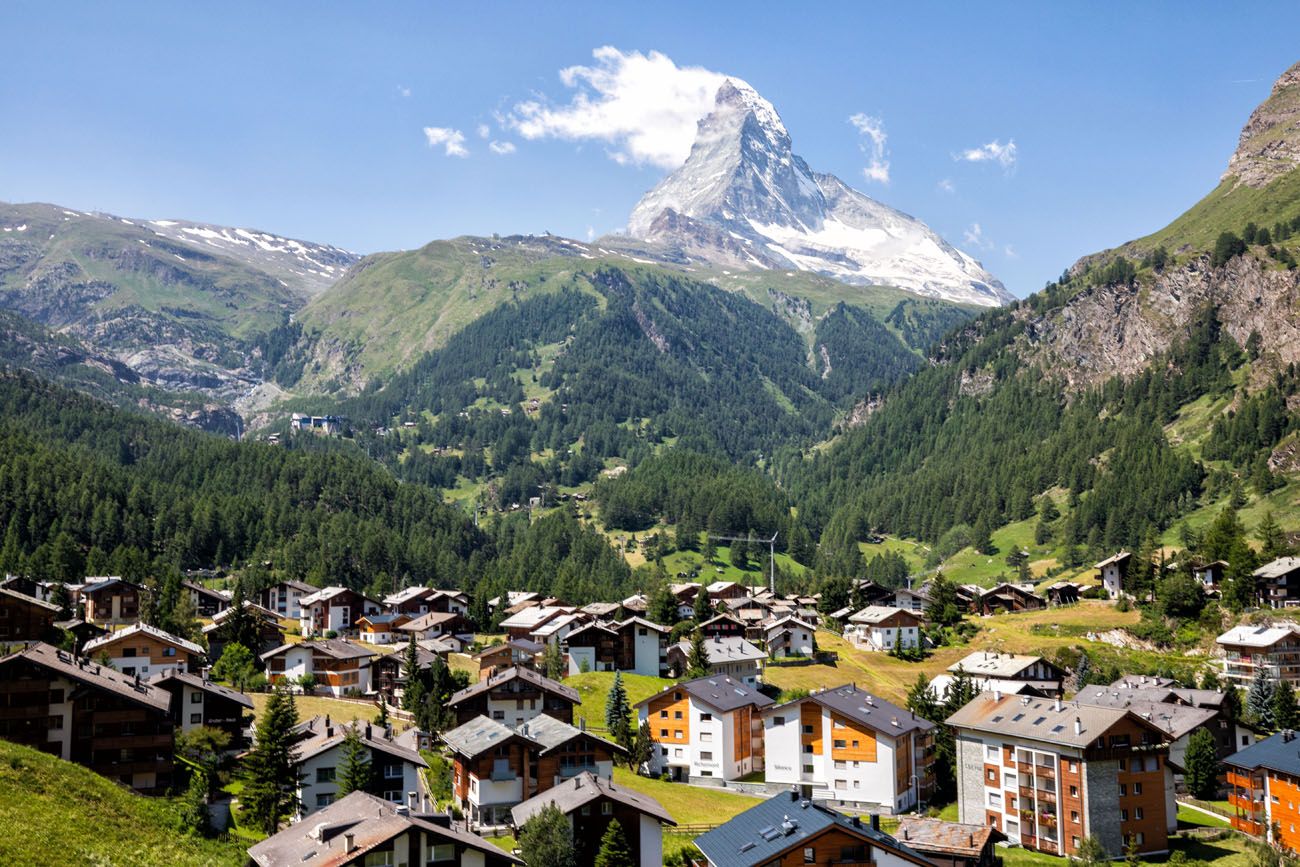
<point x="501" y="148"/>
<point x="946" y="185"/>
<point x="644" y="106"/>
<point x="1010" y="252"/>
<point x="994" y="151"/>
<point x="451" y="140"/>
<point x="591" y="233"/>
<point x="403" y="91"/>
<point x="872" y="129"/>
<point x="484" y="130"/>
<point x="974" y="237"/>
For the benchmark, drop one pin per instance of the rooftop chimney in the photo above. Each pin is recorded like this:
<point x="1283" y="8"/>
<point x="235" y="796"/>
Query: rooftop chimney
<point x="1057" y="706"/>
<point x="1078" y="726"/>
<point x="997" y="694"/>
<point x="349" y="842"/>
<point x="875" y="821"/>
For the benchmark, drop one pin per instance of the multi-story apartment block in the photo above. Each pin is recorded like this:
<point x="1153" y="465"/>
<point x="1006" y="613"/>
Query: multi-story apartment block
<point x="1279" y="582"/>
<point x="1248" y="649"/>
<point x="1112" y="571"/>
<point x="285" y="598"/>
<point x="735" y="658"/>
<point x="593" y="647"/>
<point x="333" y="609"/>
<point x="145" y="650"/>
<point x="708" y="727"/>
<point x="1048" y="774"/>
<point x="319" y="756"/>
<point x="515" y="696"/>
<point x="1264" y="790"/>
<point x="115" y="724"/>
<point x="110" y="601"/>
<point x="495" y="766"/>
<point x="339" y="667"/>
<point x="850" y="747"/>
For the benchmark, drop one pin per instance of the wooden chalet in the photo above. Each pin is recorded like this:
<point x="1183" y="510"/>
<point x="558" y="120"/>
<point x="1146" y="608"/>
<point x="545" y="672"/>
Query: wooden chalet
<point x="514" y="696"/>
<point x="26" y="618"/>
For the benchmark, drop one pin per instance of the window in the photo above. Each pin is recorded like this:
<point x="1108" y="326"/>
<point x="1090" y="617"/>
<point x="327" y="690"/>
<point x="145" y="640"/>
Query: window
<point x="807" y="730"/>
<point x="706" y="737"/>
<point x="991" y="751"/>
<point x="1137" y="813"/>
<point x="855" y="745"/>
<point x="379" y="859"/>
<point x="677" y="696"/>
<point x="196" y="698"/>
<point x="1074" y="767"/>
<point x="169" y="651"/>
<point x="663" y="714"/>
<point x="839" y="744"/>
<point x="606" y="808"/>
<point x="586" y="810"/>
<point x="196" y="718"/>
<point x="807" y="769"/>
<point x="324" y="799"/>
<point x="841" y="784"/>
<point x="677" y="734"/>
<point x="840" y="764"/>
<point x="498" y="714"/>
<point x="1074" y="841"/>
<point x="677" y="753"/>
<point x="1123" y="764"/>
<point x="677" y="714"/>
<point x="1123" y="789"/>
<point x="991" y="775"/>
<point x="324" y="775"/>
<point x="56" y="722"/>
<point x="807" y="748"/>
<point x="809" y="855"/>
<point x="1074" y="791"/>
<point x="995" y="800"/>
<point x="392" y="772"/>
<point x="443" y="852"/>
<point x="1123" y="815"/>
<point x="706" y="717"/>
<point x="706" y="756"/>
<point x="1137" y="788"/>
<point x="778" y="720"/>
<point x="128" y="670"/>
<point x="128" y="653"/>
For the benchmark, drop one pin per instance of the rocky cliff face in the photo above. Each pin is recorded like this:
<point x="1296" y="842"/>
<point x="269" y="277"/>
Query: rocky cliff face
<point x="1111" y="331"/>
<point x="1269" y="146"/>
<point x="745" y="200"/>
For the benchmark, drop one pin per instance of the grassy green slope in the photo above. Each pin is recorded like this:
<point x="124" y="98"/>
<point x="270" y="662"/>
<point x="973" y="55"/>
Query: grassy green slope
<point x="56" y="812"/>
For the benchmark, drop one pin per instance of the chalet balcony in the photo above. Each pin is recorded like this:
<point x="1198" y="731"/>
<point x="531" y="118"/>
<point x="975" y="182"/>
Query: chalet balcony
<point x="575" y="770"/>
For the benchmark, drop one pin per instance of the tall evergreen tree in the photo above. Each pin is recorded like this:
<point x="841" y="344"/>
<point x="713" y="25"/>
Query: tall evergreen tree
<point x="1259" y="700"/>
<point x="697" y="658"/>
<point x="270" y="777"/>
<point x="614" y="850"/>
<point x="703" y="607"/>
<point x="546" y="840"/>
<point x="553" y="661"/>
<point x="355" y="772"/>
<point x="1284" y="706"/>
<point x="663" y="606"/>
<point x="1201" y="763"/>
<point x="618" y="713"/>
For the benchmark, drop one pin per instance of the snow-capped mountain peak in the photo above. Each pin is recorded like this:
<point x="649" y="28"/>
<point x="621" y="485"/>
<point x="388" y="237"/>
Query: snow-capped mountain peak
<point x="744" y="199"/>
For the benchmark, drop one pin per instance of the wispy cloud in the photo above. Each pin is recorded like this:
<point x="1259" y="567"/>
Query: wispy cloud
<point x="403" y="91"/>
<point x="995" y="151"/>
<point x="501" y="148"/>
<point x="946" y="185"/>
<point x="484" y="131"/>
<point x="872" y="131"/>
<point x="644" y="105"/>
<point x="452" y="141"/>
<point x="974" y="237"/>
<point x="1010" y="252"/>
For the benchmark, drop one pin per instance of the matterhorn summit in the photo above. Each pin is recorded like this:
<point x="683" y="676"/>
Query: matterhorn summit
<point x="743" y="199"/>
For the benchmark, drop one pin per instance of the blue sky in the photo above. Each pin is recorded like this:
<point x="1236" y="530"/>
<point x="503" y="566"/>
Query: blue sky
<point x="309" y="119"/>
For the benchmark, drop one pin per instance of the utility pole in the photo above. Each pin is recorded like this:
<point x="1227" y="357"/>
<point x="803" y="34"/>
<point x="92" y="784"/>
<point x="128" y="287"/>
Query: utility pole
<point x="771" y="544"/>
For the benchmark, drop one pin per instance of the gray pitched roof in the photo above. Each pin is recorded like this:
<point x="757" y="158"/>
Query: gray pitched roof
<point x="83" y="669"/>
<point x="536" y="679"/>
<point x="371" y="821"/>
<point x="725" y="648"/>
<point x="551" y="733"/>
<point x="478" y="735"/>
<point x="865" y="708"/>
<point x="145" y="628"/>
<point x="30" y="600"/>
<point x="1277" y="568"/>
<point x="782" y="822"/>
<point x="1280" y="753"/>
<point x="1176" y="719"/>
<point x="1042" y="719"/>
<point x="988" y="663"/>
<point x="319" y="734"/>
<point x="335" y="647"/>
<point x="583" y="789"/>
<point x="198" y="682"/>
<point x="717" y="691"/>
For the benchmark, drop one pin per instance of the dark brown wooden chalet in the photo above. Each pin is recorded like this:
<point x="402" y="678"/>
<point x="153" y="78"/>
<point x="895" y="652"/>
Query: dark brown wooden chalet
<point x="207" y="602"/>
<point x="111" y="601"/>
<point x="71" y="707"/>
<point x="723" y="626"/>
<point x="514" y="696"/>
<point x="593" y="647"/>
<point x="1007" y="597"/>
<point x="25" y="618"/>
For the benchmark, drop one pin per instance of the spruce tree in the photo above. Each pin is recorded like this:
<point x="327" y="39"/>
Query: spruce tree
<point x="553" y="661"/>
<point x="194" y="817"/>
<point x="546" y="840"/>
<point x="614" y="851"/>
<point x="1284" y="707"/>
<point x="703" y="607"/>
<point x="697" y="659"/>
<point x="618" y="713"/>
<point x="270" y="776"/>
<point x="1201" y="763"/>
<point x="355" y="772"/>
<point x="1259" y="700"/>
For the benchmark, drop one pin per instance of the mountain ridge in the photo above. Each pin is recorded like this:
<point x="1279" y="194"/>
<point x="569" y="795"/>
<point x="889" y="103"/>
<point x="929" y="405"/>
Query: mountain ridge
<point x="744" y="199"/>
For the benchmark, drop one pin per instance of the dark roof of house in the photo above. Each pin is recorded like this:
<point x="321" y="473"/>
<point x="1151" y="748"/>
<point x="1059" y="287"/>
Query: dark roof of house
<point x="372" y="822"/>
<point x="533" y="677"/>
<point x="1041" y="719"/>
<point x="86" y="671"/>
<point x="320" y="734"/>
<point x="28" y="600"/>
<point x="552" y="733"/>
<point x="171" y="675"/>
<point x="946" y="838"/>
<point x="863" y="707"/>
<point x="335" y="647"/>
<point x="142" y="628"/>
<point x="1281" y="753"/>
<point x="583" y="789"/>
<point x="480" y="735"/>
<point x="106" y="583"/>
<point x="782" y="822"/>
<point x="717" y="691"/>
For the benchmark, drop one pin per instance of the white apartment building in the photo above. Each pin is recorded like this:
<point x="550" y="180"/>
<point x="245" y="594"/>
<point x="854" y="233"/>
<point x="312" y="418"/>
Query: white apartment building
<point x="319" y="758"/>
<point x="708" y="727"/>
<point x="880" y="627"/>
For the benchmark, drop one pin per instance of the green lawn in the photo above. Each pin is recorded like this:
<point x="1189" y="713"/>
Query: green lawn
<point x="1189" y="818"/>
<point x="594" y="687"/>
<point x="57" y="812"/>
<point x="688" y="805"/>
<point x="315" y="705"/>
